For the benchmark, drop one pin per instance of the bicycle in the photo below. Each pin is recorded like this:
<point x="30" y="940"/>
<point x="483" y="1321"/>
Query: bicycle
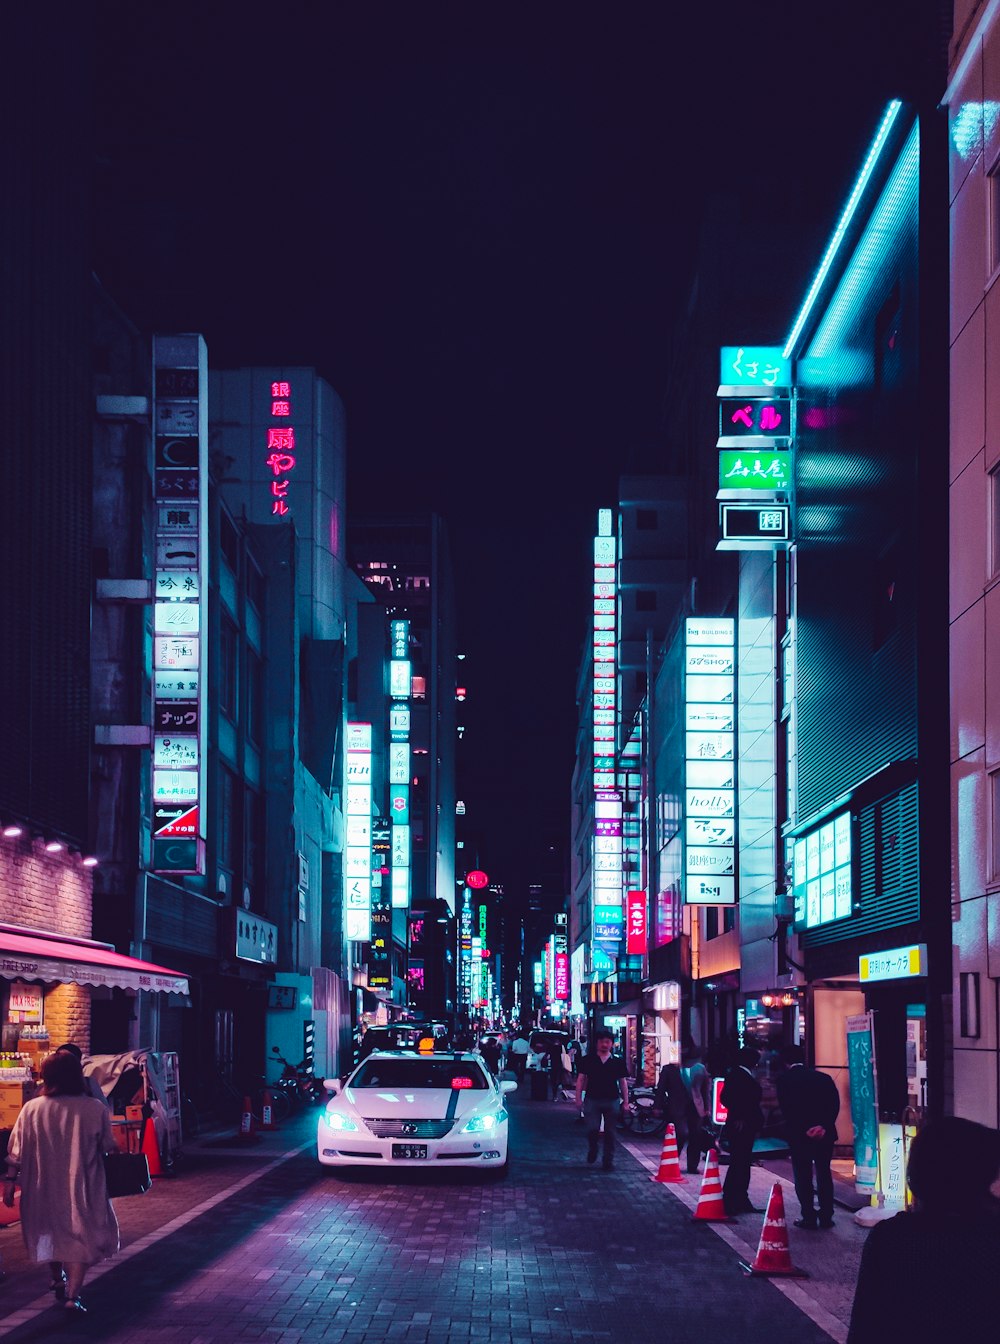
<point x="642" y="1115"/>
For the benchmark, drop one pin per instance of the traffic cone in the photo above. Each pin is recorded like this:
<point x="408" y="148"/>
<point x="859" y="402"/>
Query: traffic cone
<point x="267" y="1111"/>
<point x="710" y="1206"/>
<point x="151" y="1148"/>
<point x="670" y="1167"/>
<point x="773" y="1256"/>
<point x="248" y="1130"/>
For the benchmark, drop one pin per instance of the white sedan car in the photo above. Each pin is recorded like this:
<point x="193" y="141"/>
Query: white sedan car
<point x="403" y="1109"/>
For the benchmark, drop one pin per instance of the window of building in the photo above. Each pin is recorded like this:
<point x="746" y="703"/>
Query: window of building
<point x="968" y="1008"/>
<point x="255" y="698"/>
<point x="228" y="667"/>
<point x="995" y="520"/>
<point x="228" y="822"/>
<point x="253" y="872"/>
<point x="255" y="587"/>
<point x="993" y="184"/>
<point x="995" y="829"/>
<point x="888" y="572"/>
<point x="229" y="542"/>
<point x="645" y="520"/>
<point x="645" y="600"/>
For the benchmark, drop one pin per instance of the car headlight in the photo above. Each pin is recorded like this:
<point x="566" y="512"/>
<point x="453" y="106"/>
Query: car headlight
<point x="480" y="1124"/>
<point x="337" y="1121"/>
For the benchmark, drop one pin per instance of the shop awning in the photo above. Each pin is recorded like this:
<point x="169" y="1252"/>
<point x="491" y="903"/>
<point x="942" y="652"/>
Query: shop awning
<point x="32" y="956"/>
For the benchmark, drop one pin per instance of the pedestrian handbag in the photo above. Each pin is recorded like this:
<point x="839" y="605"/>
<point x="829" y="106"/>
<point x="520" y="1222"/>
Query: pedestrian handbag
<point x="126" y="1174"/>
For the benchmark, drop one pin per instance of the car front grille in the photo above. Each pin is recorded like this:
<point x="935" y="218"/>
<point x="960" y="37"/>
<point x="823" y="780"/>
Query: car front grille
<point x="409" y="1129"/>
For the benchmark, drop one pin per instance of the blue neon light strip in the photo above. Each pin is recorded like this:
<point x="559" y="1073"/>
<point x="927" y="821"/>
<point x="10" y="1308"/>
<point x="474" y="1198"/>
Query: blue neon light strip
<point x="892" y="111"/>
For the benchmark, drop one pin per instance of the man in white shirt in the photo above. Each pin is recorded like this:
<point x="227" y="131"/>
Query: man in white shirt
<point x="519" y="1051"/>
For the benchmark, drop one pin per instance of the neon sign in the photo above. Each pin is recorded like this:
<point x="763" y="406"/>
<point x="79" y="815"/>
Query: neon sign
<point x="710" y="754"/>
<point x="281" y="447"/>
<point x="741" y="470"/>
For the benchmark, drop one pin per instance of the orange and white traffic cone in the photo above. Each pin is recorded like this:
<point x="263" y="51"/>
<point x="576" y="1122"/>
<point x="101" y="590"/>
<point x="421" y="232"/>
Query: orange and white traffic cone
<point x="710" y="1206"/>
<point x="773" y="1256"/>
<point x="151" y="1148"/>
<point x="248" y="1130"/>
<point x="670" y="1167"/>
<point x="267" y="1111"/>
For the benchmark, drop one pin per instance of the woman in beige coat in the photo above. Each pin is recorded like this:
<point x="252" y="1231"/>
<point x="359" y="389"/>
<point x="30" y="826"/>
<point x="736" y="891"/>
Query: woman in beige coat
<point x="56" y="1154"/>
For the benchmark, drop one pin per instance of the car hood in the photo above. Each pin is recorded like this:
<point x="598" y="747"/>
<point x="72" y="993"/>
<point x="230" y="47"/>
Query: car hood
<point x="376" y="1103"/>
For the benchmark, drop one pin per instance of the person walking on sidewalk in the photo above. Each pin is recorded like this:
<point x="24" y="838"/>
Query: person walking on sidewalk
<point x="672" y="1100"/>
<point x="930" y="1274"/>
<point x="600" y="1082"/>
<point x="741" y="1095"/>
<point x="518" y="1055"/>
<point x="56" y="1152"/>
<point x="810" y="1104"/>
<point x="699" y="1089"/>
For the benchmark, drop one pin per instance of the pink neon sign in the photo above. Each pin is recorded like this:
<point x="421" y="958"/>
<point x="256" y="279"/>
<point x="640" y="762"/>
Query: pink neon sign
<point x="280" y="444"/>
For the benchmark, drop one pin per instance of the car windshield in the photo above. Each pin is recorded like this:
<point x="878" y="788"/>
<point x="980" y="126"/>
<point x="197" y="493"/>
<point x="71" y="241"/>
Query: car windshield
<point x="417" y="1073"/>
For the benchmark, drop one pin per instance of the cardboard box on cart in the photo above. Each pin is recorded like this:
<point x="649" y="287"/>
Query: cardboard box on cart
<point x="12" y="1098"/>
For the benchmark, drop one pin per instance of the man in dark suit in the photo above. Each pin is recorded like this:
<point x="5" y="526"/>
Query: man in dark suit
<point x="744" y="1120"/>
<point x="809" y="1103"/>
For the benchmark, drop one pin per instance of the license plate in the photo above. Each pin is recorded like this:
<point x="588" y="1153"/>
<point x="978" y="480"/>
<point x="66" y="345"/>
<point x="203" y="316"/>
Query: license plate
<point x="409" y="1150"/>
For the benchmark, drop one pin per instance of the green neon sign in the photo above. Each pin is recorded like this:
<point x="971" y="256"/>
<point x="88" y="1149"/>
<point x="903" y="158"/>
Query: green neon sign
<point x="741" y="469"/>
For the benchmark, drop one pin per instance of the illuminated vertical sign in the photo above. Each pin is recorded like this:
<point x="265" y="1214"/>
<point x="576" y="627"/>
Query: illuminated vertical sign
<point x="465" y="949"/>
<point x="380" y="947"/>
<point x="280" y="444"/>
<point x="559" y="967"/>
<point x="604" y="652"/>
<point x="180" y="684"/>
<point x="635" y="923"/>
<point x="562" y="975"/>
<point x="399" y="761"/>
<point x="358" y="833"/>
<point x="606" y="852"/>
<point x="710" y="761"/>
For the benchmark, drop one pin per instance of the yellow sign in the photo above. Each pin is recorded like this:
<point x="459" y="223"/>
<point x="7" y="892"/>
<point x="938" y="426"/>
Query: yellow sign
<point x="899" y="963"/>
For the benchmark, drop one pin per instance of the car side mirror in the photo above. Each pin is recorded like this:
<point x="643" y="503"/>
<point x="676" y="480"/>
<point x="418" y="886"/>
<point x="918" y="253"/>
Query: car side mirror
<point x="332" y="1085"/>
<point x="508" y="1084"/>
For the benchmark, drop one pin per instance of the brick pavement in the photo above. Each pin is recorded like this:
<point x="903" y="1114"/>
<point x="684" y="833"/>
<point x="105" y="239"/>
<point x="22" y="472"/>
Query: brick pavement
<point x="254" y="1246"/>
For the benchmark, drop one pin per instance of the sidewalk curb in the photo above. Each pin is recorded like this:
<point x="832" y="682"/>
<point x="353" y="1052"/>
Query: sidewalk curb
<point x="42" y="1305"/>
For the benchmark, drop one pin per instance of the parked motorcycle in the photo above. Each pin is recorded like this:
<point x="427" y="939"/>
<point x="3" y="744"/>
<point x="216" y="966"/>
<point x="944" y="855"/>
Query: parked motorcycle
<point x="297" y="1081"/>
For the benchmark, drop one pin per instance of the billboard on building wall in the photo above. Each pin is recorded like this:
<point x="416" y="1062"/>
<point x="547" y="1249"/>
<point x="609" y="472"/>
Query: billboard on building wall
<point x="710" y="760"/>
<point x="399" y="789"/>
<point x="358" y="834"/>
<point x="823" y="862"/>
<point x="180" y="673"/>
<point x="606" y="845"/>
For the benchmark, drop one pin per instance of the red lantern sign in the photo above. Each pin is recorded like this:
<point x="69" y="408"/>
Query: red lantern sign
<point x="476" y="879"/>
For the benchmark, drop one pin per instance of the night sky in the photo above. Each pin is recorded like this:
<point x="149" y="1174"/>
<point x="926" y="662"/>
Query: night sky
<point x="475" y="222"/>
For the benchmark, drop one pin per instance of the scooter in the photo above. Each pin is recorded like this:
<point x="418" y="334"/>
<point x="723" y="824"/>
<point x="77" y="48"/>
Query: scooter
<point x="297" y="1081"/>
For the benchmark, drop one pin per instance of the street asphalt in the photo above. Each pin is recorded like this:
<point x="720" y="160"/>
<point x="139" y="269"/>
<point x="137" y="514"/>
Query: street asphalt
<point x="256" y="1242"/>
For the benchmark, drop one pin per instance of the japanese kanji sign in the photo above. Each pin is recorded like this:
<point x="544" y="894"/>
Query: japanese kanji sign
<point x="757" y="366"/>
<point x="753" y="469"/>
